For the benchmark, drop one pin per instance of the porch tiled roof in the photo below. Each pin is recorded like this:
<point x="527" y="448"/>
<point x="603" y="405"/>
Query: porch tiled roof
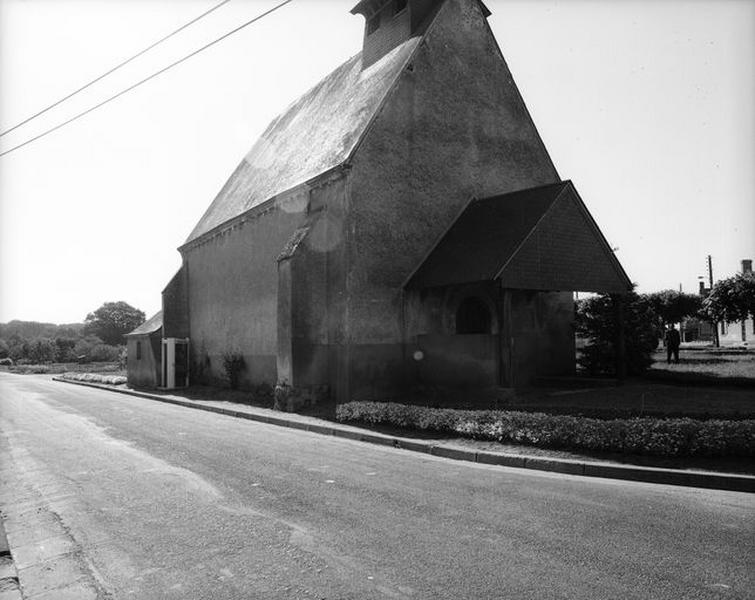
<point x="540" y="238"/>
<point x="151" y="325"/>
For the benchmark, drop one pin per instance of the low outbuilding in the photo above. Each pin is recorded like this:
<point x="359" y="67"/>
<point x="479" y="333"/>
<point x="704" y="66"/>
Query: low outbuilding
<point x="144" y="353"/>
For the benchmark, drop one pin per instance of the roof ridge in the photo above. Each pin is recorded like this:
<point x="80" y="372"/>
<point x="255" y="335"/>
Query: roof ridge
<point x="543" y="186"/>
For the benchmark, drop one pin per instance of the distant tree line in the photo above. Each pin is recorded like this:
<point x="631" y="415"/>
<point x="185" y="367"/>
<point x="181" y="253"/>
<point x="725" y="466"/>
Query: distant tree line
<point x="98" y="339"/>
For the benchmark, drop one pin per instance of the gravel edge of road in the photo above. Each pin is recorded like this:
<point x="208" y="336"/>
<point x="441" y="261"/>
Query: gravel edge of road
<point x="723" y="481"/>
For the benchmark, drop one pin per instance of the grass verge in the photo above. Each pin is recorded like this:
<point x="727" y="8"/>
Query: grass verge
<point x="111" y="368"/>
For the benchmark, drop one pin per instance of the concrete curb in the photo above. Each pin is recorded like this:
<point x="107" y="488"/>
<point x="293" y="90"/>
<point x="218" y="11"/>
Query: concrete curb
<point x="718" y="481"/>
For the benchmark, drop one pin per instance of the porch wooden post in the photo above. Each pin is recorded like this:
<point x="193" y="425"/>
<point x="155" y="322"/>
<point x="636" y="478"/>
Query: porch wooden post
<point x="621" y="355"/>
<point x="505" y="368"/>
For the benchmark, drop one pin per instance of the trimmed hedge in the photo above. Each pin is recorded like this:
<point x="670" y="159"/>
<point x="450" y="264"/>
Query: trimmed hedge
<point x="95" y="378"/>
<point x="656" y="437"/>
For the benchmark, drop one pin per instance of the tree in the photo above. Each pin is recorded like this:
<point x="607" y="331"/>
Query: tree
<point x="731" y="299"/>
<point x="18" y="347"/>
<point x="64" y="349"/>
<point x="672" y="306"/>
<point x="596" y="322"/>
<point x="112" y="320"/>
<point x="41" y="350"/>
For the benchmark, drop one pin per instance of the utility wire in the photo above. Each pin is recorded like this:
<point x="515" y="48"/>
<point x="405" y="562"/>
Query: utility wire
<point x="116" y="67"/>
<point x="146" y="79"/>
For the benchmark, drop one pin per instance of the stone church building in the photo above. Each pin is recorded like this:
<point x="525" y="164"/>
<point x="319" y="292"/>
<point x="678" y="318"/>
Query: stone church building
<point x="399" y="224"/>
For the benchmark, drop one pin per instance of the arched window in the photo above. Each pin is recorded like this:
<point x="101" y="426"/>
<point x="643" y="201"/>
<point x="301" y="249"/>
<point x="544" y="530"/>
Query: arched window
<point x="473" y="316"/>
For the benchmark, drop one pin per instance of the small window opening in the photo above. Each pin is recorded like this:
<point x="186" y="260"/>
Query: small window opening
<point x="398" y="6"/>
<point x="373" y="24"/>
<point x="473" y="316"/>
<point x="138" y="350"/>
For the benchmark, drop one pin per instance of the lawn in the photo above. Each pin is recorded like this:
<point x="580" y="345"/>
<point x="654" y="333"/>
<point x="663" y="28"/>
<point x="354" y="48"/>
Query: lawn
<point x="636" y="398"/>
<point x="59" y="368"/>
<point x="713" y="363"/>
<point x="706" y="383"/>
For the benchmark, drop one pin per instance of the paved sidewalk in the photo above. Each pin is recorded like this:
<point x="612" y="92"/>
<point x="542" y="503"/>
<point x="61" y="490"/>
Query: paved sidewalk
<point x="39" y="558"/>
<point x="9" y="588"/>
<point x="722" y="481"/>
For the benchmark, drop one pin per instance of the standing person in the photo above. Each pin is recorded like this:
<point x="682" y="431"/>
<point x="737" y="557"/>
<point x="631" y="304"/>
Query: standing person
<point x="672" y="344"/>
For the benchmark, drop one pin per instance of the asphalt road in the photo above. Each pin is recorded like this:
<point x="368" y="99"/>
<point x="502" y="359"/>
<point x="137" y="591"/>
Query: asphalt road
<point x="159" y="501"/>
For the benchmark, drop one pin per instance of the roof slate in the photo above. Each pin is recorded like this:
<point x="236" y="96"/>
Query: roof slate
<point x="315" y="134"/>
<point x="151" y="325"/>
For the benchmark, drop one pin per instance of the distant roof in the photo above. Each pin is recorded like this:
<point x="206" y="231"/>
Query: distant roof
<point x="540" y="238"/>
<point x="151" y="325"/>
<point x="315" y="134"/>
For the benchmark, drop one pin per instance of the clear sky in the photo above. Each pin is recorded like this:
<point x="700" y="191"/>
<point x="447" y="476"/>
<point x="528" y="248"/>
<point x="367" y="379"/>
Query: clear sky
<point x="648" y="106"/>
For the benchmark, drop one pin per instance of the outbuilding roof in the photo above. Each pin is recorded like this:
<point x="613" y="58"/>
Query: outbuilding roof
<point x="315" y="134"/>
<point x="151" y="325"/>
<point x="541" y="238"/>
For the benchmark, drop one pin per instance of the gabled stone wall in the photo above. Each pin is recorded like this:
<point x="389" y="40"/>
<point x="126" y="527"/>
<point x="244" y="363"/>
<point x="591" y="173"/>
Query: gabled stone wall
<point x="454" y="126"/>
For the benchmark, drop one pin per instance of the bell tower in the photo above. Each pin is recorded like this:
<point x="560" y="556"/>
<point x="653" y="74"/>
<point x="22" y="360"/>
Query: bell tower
<point x="389" y="23"/>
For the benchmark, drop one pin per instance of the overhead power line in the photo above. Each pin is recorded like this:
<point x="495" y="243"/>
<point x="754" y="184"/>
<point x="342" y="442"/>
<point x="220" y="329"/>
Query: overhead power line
<point x="146" y="79"/>
<point x="116" y="67"/>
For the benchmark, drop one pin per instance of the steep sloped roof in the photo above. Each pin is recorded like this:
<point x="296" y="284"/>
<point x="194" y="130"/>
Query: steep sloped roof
<point x="315" y="134"/>
<point x="151" y="325"/>
<point x="541" y="238"/>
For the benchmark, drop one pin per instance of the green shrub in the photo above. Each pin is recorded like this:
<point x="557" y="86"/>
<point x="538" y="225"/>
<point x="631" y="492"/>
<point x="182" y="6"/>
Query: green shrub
<point x="41" y="350"/>
<point x="64" y="349"/>
<point x="4" y="349"/>
<point x="234" y="364"/>
<point x="657" y="437"/>
<point x="104" y="353"/>
<point x="263" y="393"/>
<point x="596" y="323"/>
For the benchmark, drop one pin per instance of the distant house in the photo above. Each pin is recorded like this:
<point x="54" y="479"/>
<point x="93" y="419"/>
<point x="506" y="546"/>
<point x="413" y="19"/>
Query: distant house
<point x="401" y="223"/>
<point x="737" y="333"/>
<point x="143" y="347"/>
